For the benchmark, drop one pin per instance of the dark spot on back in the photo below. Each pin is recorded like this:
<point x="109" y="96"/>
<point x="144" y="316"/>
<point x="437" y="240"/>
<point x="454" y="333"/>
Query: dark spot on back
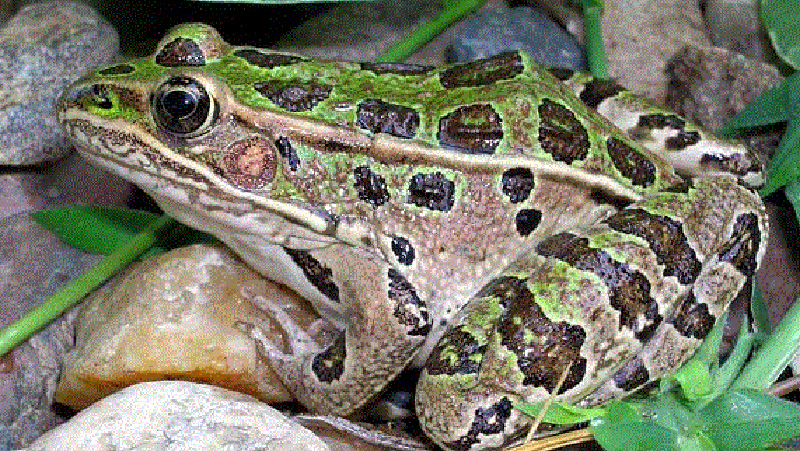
<point x="267" y="60"/>
<point x="527" y="220"/>
<point x="181" y="52"/>
<point x="119" y="69"/>
<point x="504" y="66"/>
<point x="371" y="187"/>
<point x="561" y="134"/>
<point x="378" y="116"/>
<point x="631" y="163"/>
<point x="433" y="191"/>
<point x="471" y="129"/>
<point x="598" y="90"/>
<point x="517" y="184"/>
<point x="396" y="68"/>
<point x="293" y="96"/>
<point x="561" y="73"/>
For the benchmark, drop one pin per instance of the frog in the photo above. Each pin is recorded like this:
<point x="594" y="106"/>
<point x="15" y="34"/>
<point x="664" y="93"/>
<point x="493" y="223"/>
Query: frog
<point x="519" y="233"/>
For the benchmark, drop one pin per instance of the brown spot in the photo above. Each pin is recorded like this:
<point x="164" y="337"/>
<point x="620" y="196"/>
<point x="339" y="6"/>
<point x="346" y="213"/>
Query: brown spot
<point x="629" y="290"/>
<point x="561" y="134"/>
<point x="665" y="238"/>
<point x="119" y="69"/>
<point x="504" y="66"/>
<point x="286" y="150"/>
<point x="267" y="60"/>
<point x="403" y="250"/>
<point x="561" y="73"/>
<point x="680" y="141"/>
<point x="371" y="187"/>
<point x="409" y="309"/>
<point x="737" y="164"/>
<point x="293" y="96"/>
<point x="692" y="319"/>
<point x="249" y="163"/>
<point x="742" y="248"/>
<point x="433" y="191"/>
<point x="396" y="68"/>
<point x="632" y="375"/>
<point x="328" y="365"/>
<point x="471" y="129"/>
<point x="181" y="52"/>
<point x="517" y="184"/>
<point x="488" y="421"/>
<point x="455" y="353"/>
<point x="631" y="163"/>
<point x="527" y="220"/>
<point x="378" y="116"/>
<point x="598" y="90"/>
<point x="319" y="276"/>
<point x="544" y="349"/>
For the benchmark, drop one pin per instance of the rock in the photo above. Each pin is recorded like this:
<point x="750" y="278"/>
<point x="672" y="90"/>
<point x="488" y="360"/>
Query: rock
<point x="358" y="31"/>
<point x="34" y="264"/>
<point x="180" y="315"/>
<point x="43" y="48"/>
<point x="709" y="85"/>
<point x="492" y="31"/>
<point x="178" y="415"/>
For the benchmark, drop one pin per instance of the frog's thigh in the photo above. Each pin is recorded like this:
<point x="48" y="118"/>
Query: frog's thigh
<point x="385" y="323"/>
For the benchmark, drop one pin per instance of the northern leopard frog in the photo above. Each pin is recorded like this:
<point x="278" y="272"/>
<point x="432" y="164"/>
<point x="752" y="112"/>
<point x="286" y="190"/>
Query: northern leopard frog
<point x="481" y="217"/>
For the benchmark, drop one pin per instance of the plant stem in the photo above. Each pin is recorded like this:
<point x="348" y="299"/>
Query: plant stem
<point x="76" y="290"/>
<point x="428" y="30"/>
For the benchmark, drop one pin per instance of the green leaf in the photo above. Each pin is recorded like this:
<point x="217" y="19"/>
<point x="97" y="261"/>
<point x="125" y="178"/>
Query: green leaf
<point x="102" y="230"/>
<point x="774" y="354"/>
<point x="623" y="428"/>
<point x="560" y="413"/>
<point x="785" y="165"/>
<point x="778" y="104"/>
<point x="96" y="230"/>
<point x="744" y="419"/>
<point x="782" y="21"/>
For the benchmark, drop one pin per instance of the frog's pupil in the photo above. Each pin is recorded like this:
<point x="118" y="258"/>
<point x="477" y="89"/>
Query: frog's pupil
<point x="180" y="103"/>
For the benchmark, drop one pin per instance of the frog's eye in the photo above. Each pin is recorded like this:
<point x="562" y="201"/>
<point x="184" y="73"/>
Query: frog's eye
<point x="181" y="105"/>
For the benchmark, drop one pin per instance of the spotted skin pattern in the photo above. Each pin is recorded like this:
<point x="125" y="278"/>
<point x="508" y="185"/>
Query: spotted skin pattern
<point x="484" y="220"/>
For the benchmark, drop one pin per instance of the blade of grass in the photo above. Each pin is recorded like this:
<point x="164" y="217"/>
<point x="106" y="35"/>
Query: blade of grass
<point x="71" y="294"/>
<point x="422" y="35"/>
<point x="774" y="355"/>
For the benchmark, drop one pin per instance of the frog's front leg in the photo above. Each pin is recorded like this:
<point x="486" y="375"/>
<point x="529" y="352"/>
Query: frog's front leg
<point x="384" y="324"/>
<point x="612" y="305"/>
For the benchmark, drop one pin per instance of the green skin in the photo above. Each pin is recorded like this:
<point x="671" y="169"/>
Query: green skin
<point x="473" y="206"/>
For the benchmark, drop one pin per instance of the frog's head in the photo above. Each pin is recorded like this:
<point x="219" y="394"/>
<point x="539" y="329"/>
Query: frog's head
<point x="171" y="124"/>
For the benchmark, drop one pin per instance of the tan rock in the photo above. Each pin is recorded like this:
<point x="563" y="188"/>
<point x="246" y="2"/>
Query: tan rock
<point x="177" y="415"/>
<point x="181" y="315"/>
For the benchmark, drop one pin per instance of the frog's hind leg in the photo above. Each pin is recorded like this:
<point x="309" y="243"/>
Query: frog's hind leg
<point x="384" y="322"/>
<point x="691" y="149"/>
<point x="585" y="303"/>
